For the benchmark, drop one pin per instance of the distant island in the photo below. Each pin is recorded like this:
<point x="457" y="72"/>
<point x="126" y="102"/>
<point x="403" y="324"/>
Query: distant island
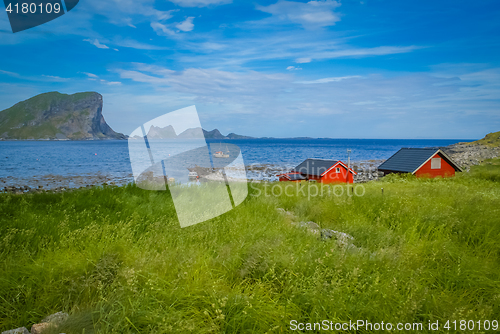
<point x="168" y="132"/>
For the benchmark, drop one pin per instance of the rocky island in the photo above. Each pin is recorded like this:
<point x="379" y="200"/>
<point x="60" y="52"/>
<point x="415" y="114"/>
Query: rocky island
<point x="56" y="116"/>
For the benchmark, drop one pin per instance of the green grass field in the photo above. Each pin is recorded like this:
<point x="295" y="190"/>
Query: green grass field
<point x="117" y="261"/>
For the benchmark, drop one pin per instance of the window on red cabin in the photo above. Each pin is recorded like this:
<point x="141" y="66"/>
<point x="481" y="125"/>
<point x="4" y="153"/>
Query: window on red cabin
<point x="337" y="170"/>
<point x="436" y="163"/>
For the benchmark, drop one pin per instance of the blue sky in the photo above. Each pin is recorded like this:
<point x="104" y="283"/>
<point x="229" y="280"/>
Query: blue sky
<point x="340" y="69"/>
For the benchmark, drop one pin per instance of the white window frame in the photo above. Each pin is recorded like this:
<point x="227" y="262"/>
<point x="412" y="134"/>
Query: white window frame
<point x="337" y="170"/>
<point x="436" y="163"/>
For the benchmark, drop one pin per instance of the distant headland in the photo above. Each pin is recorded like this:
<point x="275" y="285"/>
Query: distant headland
<point x="56" y="116"/>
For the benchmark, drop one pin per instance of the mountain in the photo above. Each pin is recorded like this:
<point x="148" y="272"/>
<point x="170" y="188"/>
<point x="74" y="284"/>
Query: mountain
<point x="192" y="133"/>
<point x="214" y="134"/>
<point x="57" y="116"/>
<point x="235" y="136"/>
<point x="161" y="133"/>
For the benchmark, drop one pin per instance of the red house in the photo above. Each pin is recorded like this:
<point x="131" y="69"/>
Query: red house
<point x="429" y="162"/>
<point x="324" y="171"/>
<point x="291" y="176"/>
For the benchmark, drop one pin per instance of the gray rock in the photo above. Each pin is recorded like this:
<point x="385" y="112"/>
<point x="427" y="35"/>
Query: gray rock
<point x="310" y="225"/>
<point x="51" y="321"/>
<point x="327" y="234"/>
<point x="41" y="327"/>
<point x="467" y="155"/>
<point x="344" y="240"/>
<point x="56" y="318"/>
<point x="20" y="330"/>
<point x="287" y="214"/>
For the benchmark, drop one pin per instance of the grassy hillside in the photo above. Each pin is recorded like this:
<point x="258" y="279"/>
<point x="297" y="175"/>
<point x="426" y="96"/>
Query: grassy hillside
<point x="491" y="139"/>
<point x="118" y="262"/>
<point x="25" y="120"/>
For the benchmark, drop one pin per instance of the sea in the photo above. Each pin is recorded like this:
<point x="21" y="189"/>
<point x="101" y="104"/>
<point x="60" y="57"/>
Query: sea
<point x="53" y="164"/>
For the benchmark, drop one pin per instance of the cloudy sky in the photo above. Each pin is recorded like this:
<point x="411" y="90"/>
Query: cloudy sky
<point x="340" y="69"/>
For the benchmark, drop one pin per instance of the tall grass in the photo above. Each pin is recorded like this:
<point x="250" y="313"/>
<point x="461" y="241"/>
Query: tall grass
<point x="116" y="259"/>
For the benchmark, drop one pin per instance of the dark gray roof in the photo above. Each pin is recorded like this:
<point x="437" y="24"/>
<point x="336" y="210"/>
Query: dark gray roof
<point x="408" y="160"/>
<point x="295" y="177"/>
<point x="314" y="166"/>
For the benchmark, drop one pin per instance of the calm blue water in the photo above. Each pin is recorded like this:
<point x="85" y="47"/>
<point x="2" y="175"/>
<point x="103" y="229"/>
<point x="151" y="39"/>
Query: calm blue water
<point x="24" y="160"/>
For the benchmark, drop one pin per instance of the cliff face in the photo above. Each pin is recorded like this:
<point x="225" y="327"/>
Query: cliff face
<point x="57" y="116"/>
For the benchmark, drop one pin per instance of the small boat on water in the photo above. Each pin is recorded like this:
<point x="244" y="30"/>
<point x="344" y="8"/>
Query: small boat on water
<point x="193" y="175"/>
<point x="220" y="154"/>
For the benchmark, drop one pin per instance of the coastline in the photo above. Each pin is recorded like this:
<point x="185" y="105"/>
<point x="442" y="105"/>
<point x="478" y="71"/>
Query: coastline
<point x="465" y="154"/>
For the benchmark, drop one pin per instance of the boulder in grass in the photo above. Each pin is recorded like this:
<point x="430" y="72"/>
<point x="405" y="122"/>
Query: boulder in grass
<point x="20" y="330"/>
<point x="41" y="328"/>
<point x="56" y="318"/>
<point x="310" y="226"/>
<point x="53" y="320"/>
<point x="344" y="240"/>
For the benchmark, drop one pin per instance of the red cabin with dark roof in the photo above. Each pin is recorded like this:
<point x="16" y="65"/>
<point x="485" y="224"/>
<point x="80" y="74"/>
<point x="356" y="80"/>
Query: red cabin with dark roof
<point x="320" y="170"/>
<point x="429" y="162"/>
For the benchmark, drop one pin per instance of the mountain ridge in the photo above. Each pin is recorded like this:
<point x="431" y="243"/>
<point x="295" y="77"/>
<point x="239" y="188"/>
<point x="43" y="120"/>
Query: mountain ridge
<point x="56" y="116"/>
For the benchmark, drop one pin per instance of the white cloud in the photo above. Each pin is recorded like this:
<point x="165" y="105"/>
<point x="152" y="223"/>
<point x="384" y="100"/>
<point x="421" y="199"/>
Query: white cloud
<point x="42" y="78"/>
<point x="303" y="60"/>
<point x="365" y="52"/>
<point x="12" y="74"/>
<point x="313" y="14"/>
<point x="327" y="80"/>
<point x="293" y="68"/>
<point x="128" y="12"/>
<point x="209" y="85"/>
<point x="55" y="78"/>
<point x="161" y="29"/>
<point x="94" y="77"/>
<point x="186" y="25"/>
<point x="133" y="44"/>
<point x="96" y="43"/>
<point x="90" y="75"/>
<point x="200" y="3"/>
<point x="301" y="47"/>
<point x="356" y="53"/>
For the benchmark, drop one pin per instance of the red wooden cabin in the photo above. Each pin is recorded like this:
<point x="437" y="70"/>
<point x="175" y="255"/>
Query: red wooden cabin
<point x="429" y="162"/>
<point x="320" y="170"/>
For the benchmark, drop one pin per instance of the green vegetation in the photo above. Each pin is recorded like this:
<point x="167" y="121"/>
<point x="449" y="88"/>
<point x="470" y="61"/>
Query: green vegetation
<point x="116" y="259"/>
<point x="25" y="120"/>
<point x="488" y="170"/>
<point x="491" y="139"/>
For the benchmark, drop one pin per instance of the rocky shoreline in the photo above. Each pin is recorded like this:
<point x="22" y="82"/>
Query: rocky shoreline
<point x="465" y="154"/>
<point x="59" y="183"/>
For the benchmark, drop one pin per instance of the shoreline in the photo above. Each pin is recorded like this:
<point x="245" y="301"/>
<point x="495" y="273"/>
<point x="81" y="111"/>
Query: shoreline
<point x="54" y="182"/>
<point x="465" y="154"/>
